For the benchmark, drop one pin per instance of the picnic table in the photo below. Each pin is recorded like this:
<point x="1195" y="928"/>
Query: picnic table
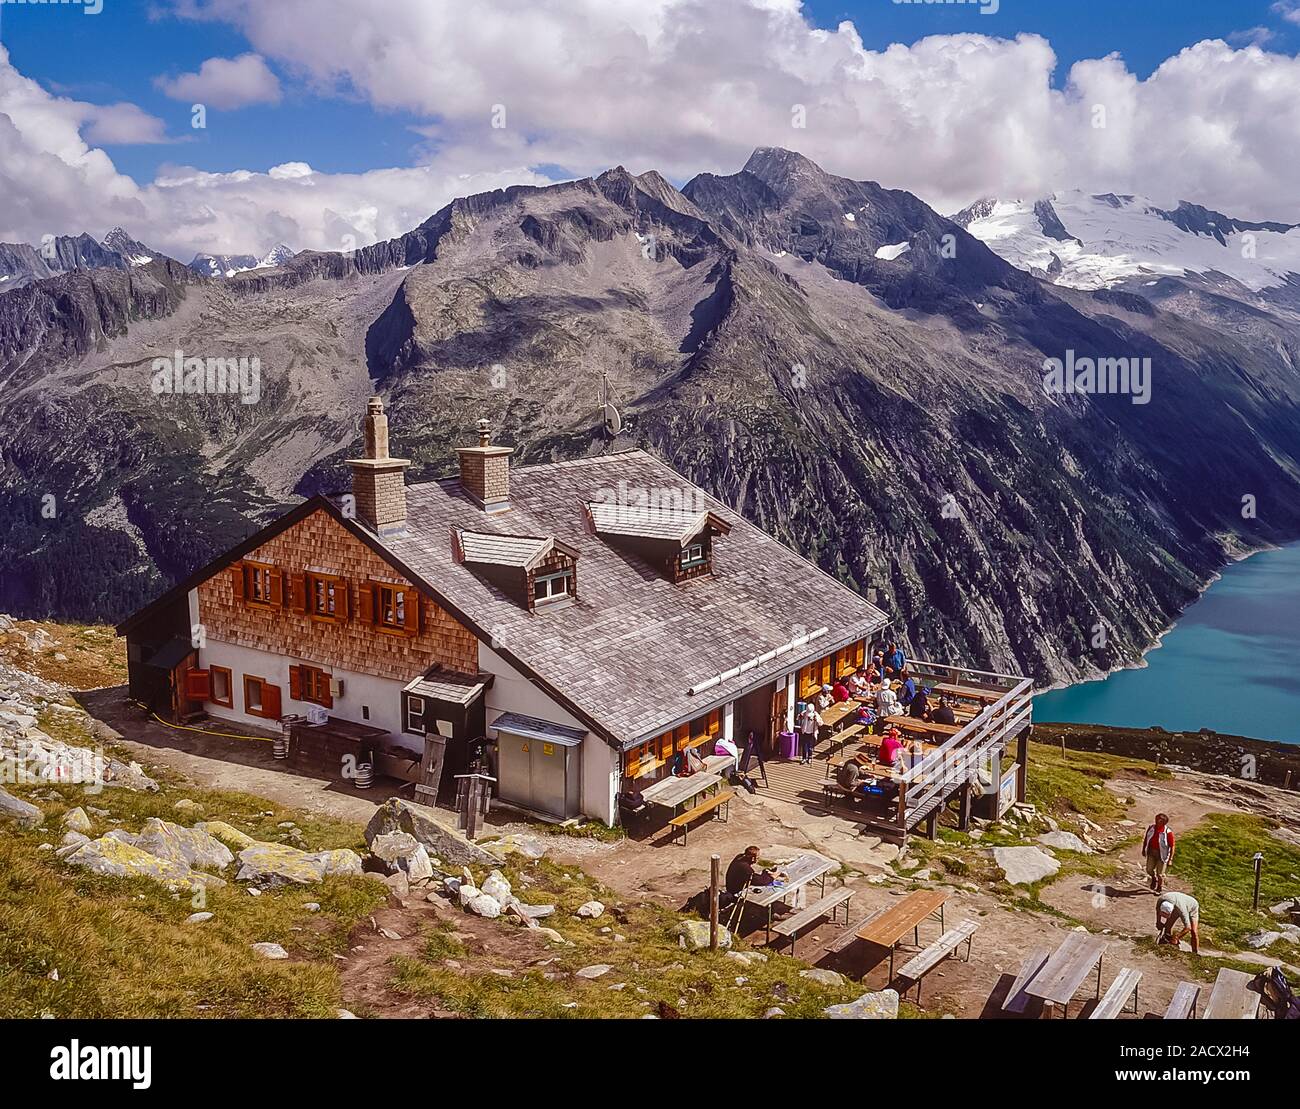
<point x="969" y="693"/>
<point x="672" y="792"/>
<point x="801" y="871"/>
<point x="1066" y="969"/>
<point x="886" y="929"/>
<point x="1231" y="998"/>
<point x="910" y="725"/>
<point x="836" y="714"/>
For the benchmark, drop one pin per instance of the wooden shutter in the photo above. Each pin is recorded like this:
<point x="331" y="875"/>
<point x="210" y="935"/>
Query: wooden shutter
<point x="411" y="612"/>
<point x="366" y="602"/>
<point x="295" y="683"/>
<point x="298" y="593"/>
<point x="323" y="694"/>
<point x="275" y="586"/>
<point x="237" y="580"/>
<point x="343" y="599"/>
<point x="271" y="701"/>
<point x="198" y="685"/>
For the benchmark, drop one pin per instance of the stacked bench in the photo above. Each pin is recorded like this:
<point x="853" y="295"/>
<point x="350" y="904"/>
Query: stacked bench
<point x="720" y="802"/>
<point x="916" y="968"/>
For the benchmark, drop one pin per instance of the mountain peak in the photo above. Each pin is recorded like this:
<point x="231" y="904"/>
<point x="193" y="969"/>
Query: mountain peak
<point x="774" y="165"/>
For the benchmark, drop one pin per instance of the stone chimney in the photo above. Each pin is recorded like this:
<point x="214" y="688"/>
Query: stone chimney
<point x="485" y="471"/>
<point x="378" y="481"/>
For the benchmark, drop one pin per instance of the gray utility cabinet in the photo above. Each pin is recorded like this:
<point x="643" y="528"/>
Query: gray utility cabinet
<point x="539" y="765"/>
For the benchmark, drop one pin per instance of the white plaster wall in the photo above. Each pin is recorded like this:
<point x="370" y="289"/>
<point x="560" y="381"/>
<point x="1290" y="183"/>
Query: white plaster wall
<point x="381" y="695"/>
<point x="513" y="692"/>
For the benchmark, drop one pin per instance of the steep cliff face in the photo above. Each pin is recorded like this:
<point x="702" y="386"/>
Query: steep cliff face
<point x="856" y="374"/>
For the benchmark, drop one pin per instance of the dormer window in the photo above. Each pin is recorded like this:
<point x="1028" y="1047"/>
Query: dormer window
<point x="692" y="556"/>
<point x="553" y="586"/>
<point x="675" y="539"/>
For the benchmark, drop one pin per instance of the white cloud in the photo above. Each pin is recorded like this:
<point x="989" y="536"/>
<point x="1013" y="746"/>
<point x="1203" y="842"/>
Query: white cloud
<point x="1252" y="36"/>
<point x="1288" y="10"/>
<point x="225" y="83"/>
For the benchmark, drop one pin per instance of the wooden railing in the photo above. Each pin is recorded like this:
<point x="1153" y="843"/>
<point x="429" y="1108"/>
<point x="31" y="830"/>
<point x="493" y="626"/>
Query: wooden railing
<point x="959" y="759"/>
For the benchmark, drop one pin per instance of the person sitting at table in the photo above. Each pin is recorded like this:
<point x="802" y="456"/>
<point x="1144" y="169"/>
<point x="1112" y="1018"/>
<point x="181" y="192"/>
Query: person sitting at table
<point x="892" y="750"/>
<point x="840" y="691"/>
<point x="744" y="872"/>
<point x="944" y="714"/>
<point x="919" y="708"/>
<point x="908" y="688"/>
<point x="825" y="697"/>
<point x="887" y="700"/>
<point x="858" y="681"/>
<point x="895" y="662"/>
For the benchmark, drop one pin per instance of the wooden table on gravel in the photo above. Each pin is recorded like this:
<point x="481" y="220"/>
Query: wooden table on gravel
<point x="1066" y="969"/>
<point x="886" y="929"/>
<point x="1232" y="998"/>
<point x="801" y="871"/>
<point x="671" y="793"/>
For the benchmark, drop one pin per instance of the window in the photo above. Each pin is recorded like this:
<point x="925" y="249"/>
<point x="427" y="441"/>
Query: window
<point x="390" y="606"/>
<point x="551" y="587"/>
<point x="261" y="584"/>
<point x="415" y="710"/>
<point x="326" y="597"/>
<point x="223" y="687"/>
<point x="261" y="698"/>
<point x="307" y="683"/>
<point x="692" y="556"/>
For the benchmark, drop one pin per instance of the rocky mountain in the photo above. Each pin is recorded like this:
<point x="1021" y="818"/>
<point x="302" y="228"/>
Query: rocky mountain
<point x="858" y="375"/>
<point x="227" y="265"/>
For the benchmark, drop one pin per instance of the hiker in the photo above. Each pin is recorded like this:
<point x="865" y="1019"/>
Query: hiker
<point x="1174" y="909"/>
<point x="743" y="872"/>
<point x="809" y="722"/>
<point x="887" y="700"/>
<point x="1158" y="851"/>
<point x="895" y="662"/>
<point x="944" y="714"/>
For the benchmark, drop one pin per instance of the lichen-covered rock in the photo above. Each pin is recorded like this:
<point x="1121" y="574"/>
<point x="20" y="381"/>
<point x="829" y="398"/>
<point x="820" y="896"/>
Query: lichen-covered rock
<point x="183" y="845"/>
<point x="439" y="840"/>
<point x="1023" y="866"/>
<point x="519" y="843"/>
<point x="277" y="864"/>
<point x="694" y="934"/>
<point x="1065" y="841"/>
<point x="340" y="860"/>
<point x="77" y="820"/>
<point x="822" y="977"/>
<point x="591" y="910"/>
<point x="485" y="905"/>
<point x="401" y="850"/>
<point x="270" y="950"/>
<point x="870" y="1006"/>
<point x="496" y="885"/>
<point x="14" y="808"/>
<point x="232" y="837"/>
<point x="115" y="859"/>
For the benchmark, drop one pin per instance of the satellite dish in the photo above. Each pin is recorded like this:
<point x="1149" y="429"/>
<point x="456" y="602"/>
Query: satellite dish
<point x="613" y="420"/>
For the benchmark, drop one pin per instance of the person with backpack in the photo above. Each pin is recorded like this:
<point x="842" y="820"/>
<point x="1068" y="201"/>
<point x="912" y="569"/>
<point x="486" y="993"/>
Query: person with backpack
<point x="1158" y="851"/>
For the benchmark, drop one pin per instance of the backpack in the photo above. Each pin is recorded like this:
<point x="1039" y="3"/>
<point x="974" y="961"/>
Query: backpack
<point x="1278" y="994"/>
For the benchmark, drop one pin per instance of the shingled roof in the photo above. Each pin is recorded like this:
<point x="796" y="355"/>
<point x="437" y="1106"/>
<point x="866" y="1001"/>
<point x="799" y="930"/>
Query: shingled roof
<point x="630" y="648"/>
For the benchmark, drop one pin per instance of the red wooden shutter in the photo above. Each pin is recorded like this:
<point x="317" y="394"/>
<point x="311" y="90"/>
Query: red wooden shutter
<point x="366" y="602"/>
<point x="295" y="683"/>
<point x="237" y="580"/>
<point x="198" y="685"/>
<point x="298" y="592"/>
<point x="411" y="614"/>
<point x="271" y="701"/>
<point x="275" y="586"/>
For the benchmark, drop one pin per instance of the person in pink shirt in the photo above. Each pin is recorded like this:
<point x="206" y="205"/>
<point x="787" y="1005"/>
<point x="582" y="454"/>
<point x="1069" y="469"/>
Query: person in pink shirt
<point x="892" y="749"/>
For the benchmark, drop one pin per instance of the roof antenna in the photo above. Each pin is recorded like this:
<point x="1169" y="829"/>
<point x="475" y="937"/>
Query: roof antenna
<point x="613" y="421"/>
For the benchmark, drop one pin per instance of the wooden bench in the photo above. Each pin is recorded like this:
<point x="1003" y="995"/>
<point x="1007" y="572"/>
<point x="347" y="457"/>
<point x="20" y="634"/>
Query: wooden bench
<point x="1184" y="1001"/>
<point x="850" y="933"/>
<point x="1017" y="999"/>
<point x="916" y="968"/>
<point x="719" y="801"/>
<point x="793" y="924"/>
<point x="1231" y="998"/>
<point x="1116" y="998"/>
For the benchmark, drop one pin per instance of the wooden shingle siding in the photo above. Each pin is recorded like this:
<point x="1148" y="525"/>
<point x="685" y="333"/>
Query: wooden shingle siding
<point x="320" y="542"/>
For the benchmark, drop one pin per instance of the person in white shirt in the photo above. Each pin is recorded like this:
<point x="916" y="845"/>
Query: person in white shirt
<point x="825" y="698"/>
<point x="809" y="722"/>
<point x="887" y="700"/>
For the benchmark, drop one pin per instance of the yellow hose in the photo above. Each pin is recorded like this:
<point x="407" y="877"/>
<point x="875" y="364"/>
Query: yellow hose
<point x="201" y="731"/>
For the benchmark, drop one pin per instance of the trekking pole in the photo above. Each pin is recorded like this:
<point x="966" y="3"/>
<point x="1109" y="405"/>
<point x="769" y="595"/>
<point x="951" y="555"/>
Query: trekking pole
<point x="1258" y="860"/>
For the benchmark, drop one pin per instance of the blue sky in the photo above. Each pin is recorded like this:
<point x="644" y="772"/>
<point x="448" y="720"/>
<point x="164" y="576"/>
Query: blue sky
<point x="117" y="54"/>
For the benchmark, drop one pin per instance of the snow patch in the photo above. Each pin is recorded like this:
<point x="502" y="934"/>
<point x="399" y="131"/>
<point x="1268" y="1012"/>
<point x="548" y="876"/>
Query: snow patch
<point x="896" y="250"/>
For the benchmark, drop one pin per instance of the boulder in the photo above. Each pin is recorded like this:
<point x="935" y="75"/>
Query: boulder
<point x="232" y="837"/>
<point x="1262" y="939"/>
<point x="497" y="886"/>
<point x="402" y="851"/>
<point x="14" y="808"/>
<point x="340" y="860"/>
<point x="593" y="971"/>
<point x="198" y="918"/>
<point x="870" y="1006"/>
<point x="270" y="950"/>
<point x="115" y="859"/>
<point x="76" y="820"/>
<point x="278" y="864"/>
<point x="183" y="845"/>
<point x="486" y="906"/>
<point x="822" y="977"/>
<point x="398" y="884"/>
<point x="519" y="843"/>
<point x="1025" y="865"/>
<point x="694" y="934"/>
<point x="439" y="840"/>
<point x="534" y="912"/>
<point x="591" y="910"/>
<point x="466" y="892"/>
<point x="1065" y="841"/>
